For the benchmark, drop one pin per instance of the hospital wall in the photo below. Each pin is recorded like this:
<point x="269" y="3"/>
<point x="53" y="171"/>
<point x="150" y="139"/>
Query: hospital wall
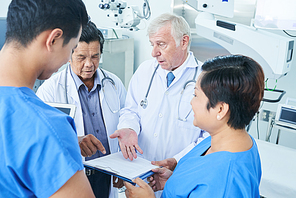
<point x="143" y="52"/>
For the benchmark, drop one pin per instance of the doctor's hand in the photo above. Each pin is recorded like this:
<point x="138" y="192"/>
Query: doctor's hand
<point x="143" y="191"/>
<point x="158" y="180"/>
<point x="89" y="145"/>
<point x="128" y="142"/>
<point x="169" y="163"/>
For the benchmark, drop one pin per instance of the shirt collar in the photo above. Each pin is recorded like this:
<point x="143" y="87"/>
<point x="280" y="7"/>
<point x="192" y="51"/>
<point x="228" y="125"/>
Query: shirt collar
<point x="178" y="70"/>
<point x="78" y="81"/>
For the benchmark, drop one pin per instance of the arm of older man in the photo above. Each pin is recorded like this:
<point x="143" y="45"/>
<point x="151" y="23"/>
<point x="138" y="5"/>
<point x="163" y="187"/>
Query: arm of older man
<point x="128" y="142"/>
<point x="89" y="145"/>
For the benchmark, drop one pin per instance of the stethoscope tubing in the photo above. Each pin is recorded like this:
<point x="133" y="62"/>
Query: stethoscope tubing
<point x="102" y="83"/>
<point x="144" y="102"/>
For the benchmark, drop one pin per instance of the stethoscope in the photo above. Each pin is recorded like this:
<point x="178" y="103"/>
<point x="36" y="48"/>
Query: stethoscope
<point x="144" y="102"/>
<point x="105" y="79"/>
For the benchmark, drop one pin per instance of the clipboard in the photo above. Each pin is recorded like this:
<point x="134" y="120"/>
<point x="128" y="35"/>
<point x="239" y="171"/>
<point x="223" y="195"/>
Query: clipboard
<point x="115" y="164"/>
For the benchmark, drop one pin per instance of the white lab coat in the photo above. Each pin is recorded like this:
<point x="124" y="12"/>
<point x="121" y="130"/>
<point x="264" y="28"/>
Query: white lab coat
<point x="160" y="134"/>
<point x="53" y="90"/>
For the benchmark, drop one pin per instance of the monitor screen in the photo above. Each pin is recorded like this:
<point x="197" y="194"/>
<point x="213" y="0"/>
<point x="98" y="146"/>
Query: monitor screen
<point x="288" y="115"/>
<point x="2" y="31"/>
<point x="275" y="14"/>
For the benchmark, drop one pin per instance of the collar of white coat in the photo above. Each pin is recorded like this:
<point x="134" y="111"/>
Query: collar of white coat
<point x="78" y="82"/>
<point x="188" y="63"/>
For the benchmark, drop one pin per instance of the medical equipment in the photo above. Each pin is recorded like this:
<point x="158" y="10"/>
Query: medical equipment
<point x="125" y="16"/>
<point x="286" y="115"/>
<point x="272" y="51"/>
<point x="109" y="90"/>
<point x="144" y="102"/>
<point x="284" y="119"/>
<point x="223" y="7"/>
<point x="111" y="33"/>
<point x="274" y="14"/>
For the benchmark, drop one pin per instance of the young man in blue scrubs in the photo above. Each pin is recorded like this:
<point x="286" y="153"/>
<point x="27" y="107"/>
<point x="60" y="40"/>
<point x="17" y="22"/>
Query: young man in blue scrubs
<point x="40" y="156"/>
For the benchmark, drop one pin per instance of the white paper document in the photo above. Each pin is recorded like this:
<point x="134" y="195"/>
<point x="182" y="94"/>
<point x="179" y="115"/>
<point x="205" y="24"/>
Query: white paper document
<point x="116" y="164"/>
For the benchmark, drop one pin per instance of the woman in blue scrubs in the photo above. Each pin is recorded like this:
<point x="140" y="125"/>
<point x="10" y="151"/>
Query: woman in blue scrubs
<point x="227" y="164"/>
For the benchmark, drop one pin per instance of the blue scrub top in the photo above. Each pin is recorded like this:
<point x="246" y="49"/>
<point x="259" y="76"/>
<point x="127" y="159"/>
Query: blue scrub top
<point x="220" y="174"/>
<point x="38" y="145"/>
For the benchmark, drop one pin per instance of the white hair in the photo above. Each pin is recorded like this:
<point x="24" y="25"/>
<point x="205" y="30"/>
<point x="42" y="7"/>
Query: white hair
<point x="179" y="27"/>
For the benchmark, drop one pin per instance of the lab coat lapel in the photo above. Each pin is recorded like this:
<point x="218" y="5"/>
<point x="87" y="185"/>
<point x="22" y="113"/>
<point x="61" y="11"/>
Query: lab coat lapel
<point x="101" y="76"/>
<point x="110" y="119"/>
<point x="73" y="98"/>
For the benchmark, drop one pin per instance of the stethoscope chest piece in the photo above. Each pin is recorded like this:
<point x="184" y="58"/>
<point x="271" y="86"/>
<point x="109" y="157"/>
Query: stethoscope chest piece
<point x="144" y="103"/>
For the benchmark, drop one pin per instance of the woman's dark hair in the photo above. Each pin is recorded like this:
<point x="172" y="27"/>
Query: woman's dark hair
<point x="26" y="19"/>
<point x="91" y="33"/>
<point x="236" y="80"/>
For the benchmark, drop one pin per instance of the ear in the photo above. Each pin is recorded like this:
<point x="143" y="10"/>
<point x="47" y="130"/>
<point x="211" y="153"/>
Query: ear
<point x="222" y="110"/>
<point x="185" y="42"/>
<point x="53" y="37"/>
<point x="70" y="60"/>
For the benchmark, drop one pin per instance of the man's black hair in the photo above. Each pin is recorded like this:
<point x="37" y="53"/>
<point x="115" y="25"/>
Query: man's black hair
<point x="26" y="19"/>
<point x="92" y="33"/>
